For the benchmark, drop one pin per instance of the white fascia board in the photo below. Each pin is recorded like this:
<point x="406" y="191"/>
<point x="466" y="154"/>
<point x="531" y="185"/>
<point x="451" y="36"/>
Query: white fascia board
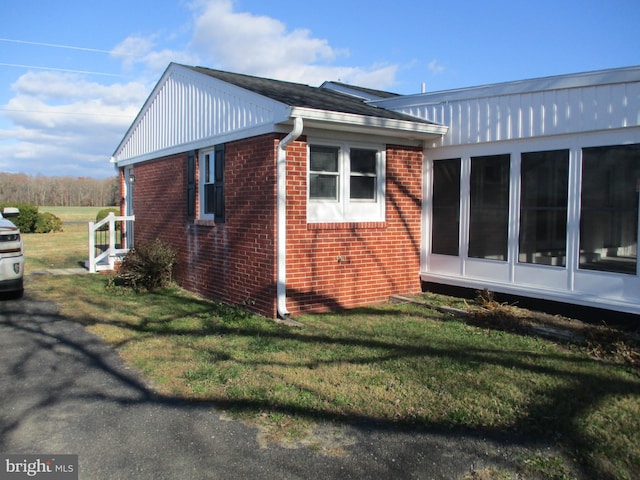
<point x="368" y="125"/>
<point x="203" y="143"/>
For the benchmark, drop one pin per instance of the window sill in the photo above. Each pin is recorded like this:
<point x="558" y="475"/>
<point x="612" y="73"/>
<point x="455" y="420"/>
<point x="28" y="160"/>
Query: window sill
<point x="204" y="222"/>
<point x="347" y="226"/>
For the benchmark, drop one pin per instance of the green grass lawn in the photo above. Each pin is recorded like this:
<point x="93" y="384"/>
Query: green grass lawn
<point x="396" y="365"/>
<point x="73" y="214"/>
<point x="67" y="249"/>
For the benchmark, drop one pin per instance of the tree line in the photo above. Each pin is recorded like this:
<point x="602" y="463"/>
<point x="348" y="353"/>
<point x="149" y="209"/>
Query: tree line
<point x="40" y="190"/>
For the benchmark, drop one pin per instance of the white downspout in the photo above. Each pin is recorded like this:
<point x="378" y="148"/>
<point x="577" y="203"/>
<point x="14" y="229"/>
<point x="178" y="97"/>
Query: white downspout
<point x="281" y="225"/>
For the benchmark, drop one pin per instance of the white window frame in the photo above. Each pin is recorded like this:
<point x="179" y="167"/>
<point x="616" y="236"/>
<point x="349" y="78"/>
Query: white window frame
<point x="202" y="166"/>
<point x="345" y="209"/>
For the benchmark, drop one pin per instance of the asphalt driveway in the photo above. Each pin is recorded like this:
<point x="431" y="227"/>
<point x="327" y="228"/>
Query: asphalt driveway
<point x="63" y="391"/>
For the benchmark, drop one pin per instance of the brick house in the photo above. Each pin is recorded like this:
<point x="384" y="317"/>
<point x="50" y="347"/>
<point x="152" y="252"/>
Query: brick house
<point x="285" y="197"/>
<point x="291" y="198"/>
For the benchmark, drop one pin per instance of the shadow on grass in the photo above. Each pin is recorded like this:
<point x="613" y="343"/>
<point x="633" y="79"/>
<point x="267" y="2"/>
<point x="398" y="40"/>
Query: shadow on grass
<point x="551" y="418"/>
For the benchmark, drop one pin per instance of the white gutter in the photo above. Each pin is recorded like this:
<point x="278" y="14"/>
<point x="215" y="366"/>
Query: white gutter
<point x="373" y="125"/>
<point x="281" y="225"/>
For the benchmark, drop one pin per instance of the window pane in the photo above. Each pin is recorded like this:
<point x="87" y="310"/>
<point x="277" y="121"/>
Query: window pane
<point x="209" y="198"/>
<point x="211" y="184"/>
<point x="323" y="186"/>
<point x="363" y="161"/>
<point x="609" y="214"/>
<point x="362" y="184"/>
<point x="446" y="207"/>
<point x="543" y="207"/>
<point x="209" y="161"/>
<point x="363" y="188"/>
<point x="324" y="159"/>
<point x="218" y="171"/>
<point x="489" y="214"/>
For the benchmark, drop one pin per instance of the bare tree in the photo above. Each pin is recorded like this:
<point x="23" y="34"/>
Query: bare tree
<point x="58" y="191"/>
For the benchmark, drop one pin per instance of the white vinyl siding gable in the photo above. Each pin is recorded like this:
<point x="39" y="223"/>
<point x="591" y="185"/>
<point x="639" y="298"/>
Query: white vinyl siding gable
<point x="504" y="112"/>
<point x="188" y="109"/>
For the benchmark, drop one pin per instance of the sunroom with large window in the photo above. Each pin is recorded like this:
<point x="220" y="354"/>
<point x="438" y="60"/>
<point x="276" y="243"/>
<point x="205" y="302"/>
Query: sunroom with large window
<point x="554" y="218"/>
<point x="534" y="188"/>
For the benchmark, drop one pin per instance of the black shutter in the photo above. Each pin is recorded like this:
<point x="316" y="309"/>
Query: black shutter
<point x="218" y="184"/>
<point x="191" y="185"/>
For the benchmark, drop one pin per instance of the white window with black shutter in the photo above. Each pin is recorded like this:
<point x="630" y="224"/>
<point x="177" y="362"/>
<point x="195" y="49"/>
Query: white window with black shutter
<point x="212" y="184"/>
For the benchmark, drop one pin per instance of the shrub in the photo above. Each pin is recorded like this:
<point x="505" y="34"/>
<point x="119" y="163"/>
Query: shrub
<point x="148" y="265"/>
<point x="26" y="220"/>
<point x="104" y="213"/>
<point x="29" y="220"/>
<point x="47" y="222"/>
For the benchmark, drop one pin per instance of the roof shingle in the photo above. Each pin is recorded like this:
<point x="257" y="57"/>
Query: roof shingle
<point x="305" y="96"/>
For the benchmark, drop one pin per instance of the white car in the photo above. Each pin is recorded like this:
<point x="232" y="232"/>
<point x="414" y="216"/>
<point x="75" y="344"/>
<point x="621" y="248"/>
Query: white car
<point x="11" y="254"/>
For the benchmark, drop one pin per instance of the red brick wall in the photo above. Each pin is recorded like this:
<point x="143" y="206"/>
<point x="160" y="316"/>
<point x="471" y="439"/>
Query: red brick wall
<point x="234" y="261"/>
<point x="328" y="265"/>
<point x="344" y="265"/>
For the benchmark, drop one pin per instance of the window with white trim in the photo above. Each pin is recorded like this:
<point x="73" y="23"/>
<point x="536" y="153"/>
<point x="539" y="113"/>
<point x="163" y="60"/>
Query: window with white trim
<point x="212" y="184"/>
<point x="609" y="209"/>
<point x="345" y="182"/>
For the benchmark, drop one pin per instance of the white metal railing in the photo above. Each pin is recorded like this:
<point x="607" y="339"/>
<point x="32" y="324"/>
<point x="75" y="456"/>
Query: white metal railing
<point x="112" y="244"/>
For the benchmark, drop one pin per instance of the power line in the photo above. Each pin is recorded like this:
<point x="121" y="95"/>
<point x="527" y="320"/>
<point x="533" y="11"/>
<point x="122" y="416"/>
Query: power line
<point x="16" y="65"/>
<point x="56" y="112"/>
<point x="54" y="45"/>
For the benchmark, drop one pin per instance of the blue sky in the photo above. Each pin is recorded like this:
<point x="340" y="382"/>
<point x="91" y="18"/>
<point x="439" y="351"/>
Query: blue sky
<point x="74" y="74"/>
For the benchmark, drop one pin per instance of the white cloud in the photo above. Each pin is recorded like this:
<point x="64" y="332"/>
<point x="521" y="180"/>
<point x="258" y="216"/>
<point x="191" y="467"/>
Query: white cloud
<point x="435" y="67"/>
<point x="58" y="87"/>
<point x="61" y="123"/>
<point x="132" y="49"/>
<point x="264" y="46"/>
<point x="52" y="100"/>
<point x="254" y="44"/>
<point x="136" y="50"/>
